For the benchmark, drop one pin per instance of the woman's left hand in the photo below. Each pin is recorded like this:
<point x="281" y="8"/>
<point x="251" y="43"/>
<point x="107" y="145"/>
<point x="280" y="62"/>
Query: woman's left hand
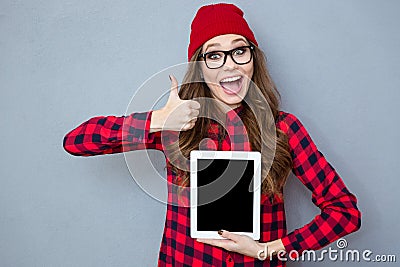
<point x="236" y="243"/>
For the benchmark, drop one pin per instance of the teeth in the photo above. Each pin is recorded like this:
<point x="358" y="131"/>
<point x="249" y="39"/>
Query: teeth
<point x="231" y="79"/>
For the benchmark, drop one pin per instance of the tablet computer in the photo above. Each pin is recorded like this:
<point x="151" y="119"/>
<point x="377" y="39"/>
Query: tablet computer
<point x="225" y="190"/>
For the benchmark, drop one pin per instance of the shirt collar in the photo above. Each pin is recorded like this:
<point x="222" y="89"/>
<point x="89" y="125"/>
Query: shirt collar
<point x="233" y="115"/>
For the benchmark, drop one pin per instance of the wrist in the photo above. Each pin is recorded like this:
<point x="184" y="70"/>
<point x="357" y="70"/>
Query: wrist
<point x="262" y="251"/>
<point x="269" y="249"/>
<point x="275" y="247"/>
<point x="157" y="121"/>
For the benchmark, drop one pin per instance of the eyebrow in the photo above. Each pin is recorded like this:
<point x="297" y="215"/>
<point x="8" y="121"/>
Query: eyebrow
<point x="218" y="44"/>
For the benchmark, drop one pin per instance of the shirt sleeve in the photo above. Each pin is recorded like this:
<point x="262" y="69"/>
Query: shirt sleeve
<point x="111" y="134"/>
<point x="339" y="213"/>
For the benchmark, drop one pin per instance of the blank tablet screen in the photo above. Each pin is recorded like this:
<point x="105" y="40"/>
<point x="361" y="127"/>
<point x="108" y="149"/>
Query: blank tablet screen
<point x="234" y="210"/>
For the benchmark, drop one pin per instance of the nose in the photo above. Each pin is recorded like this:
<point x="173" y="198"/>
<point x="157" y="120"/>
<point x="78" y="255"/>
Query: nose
<point x="229" y="63"/>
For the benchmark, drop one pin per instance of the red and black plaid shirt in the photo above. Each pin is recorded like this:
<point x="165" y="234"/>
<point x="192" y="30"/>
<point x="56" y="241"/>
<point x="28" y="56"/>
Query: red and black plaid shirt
<point x="339" y="214"/>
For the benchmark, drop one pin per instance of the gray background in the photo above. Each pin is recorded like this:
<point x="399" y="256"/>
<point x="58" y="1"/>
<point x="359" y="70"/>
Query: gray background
<point x="336" y="64"/>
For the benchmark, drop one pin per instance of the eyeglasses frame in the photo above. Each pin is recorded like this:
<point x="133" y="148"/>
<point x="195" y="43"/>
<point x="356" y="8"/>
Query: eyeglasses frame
<point x="226" y="53"/>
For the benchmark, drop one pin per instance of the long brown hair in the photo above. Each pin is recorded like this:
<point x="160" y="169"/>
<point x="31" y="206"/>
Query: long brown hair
<point x="275" y="166"/>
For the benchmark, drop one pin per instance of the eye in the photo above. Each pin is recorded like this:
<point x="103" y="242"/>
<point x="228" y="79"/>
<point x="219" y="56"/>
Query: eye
<point x="239" y="51"/>
<point x="213" y="56"/>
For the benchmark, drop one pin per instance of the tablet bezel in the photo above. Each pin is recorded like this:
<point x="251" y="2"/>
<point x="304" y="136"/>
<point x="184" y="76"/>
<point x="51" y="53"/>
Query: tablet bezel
<point x="230" y="155"/>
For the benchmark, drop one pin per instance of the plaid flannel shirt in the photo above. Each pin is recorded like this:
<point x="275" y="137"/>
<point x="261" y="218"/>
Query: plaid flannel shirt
<point x="339" y="213"/>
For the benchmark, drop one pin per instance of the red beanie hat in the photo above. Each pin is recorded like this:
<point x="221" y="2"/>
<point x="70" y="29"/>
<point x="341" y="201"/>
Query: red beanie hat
<point x="217" y="19"/>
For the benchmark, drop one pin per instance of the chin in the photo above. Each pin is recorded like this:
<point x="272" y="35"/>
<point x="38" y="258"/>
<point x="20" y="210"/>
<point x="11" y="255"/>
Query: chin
<point x="232" y="104"/>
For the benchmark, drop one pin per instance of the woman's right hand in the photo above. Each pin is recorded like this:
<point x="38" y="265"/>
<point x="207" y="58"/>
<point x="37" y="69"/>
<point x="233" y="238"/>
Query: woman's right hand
<point x="177" y="114"/>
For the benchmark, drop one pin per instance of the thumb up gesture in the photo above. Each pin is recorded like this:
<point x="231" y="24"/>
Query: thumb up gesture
<point x="177" y="114"/>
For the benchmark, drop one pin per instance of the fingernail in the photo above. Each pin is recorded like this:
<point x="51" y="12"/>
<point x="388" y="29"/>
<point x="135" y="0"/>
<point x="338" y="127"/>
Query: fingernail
<point x="220" y="232"/>
<point x="170" y="77"/>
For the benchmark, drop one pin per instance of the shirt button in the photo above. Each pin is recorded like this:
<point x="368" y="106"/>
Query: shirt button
<point x="229" y="260"/>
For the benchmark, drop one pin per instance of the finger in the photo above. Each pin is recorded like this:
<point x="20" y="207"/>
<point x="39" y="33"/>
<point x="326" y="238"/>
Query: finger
<point x="188" y="126"/>
<point x="194" y="104"/>
<point x="194" y="113"/>
<point x="174" y="87"/>
<point x="191" y="119"/>
<point x="185" y="127"/>
<point x="191" y="123"/>
<point x="229" y="235"/>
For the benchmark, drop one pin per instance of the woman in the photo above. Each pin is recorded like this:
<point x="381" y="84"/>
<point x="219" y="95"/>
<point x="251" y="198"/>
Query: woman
<point x="229" y="68"/>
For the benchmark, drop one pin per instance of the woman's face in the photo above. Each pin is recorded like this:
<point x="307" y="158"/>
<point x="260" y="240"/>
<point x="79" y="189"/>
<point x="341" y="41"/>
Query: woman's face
<point x="230" y="82"/>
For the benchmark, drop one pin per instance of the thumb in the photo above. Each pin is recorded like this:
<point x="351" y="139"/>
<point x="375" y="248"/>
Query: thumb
<point x="173" y="94"/>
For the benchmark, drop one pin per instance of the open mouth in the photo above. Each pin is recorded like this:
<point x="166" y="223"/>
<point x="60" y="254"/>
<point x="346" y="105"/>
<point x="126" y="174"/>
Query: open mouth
<point x="232" y="85"/>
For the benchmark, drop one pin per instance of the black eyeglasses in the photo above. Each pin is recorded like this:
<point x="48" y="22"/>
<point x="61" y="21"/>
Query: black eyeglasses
<point x="216" y="59"/>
